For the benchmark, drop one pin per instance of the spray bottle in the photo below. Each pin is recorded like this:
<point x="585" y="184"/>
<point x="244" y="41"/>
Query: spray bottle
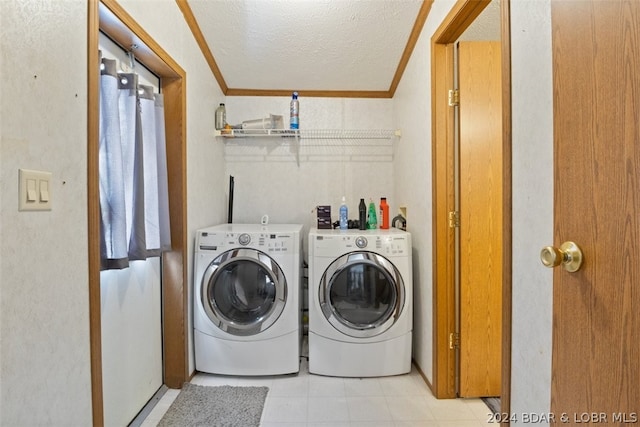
<point x="344" y="215"/>
<point x="373" y="221"/>
<point x="294" y="112"/>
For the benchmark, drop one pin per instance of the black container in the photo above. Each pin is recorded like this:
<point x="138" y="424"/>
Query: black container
<point x="362" y="210"/>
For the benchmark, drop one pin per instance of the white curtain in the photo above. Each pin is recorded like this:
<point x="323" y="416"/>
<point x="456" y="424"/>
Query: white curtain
<point x="134" y="202"/>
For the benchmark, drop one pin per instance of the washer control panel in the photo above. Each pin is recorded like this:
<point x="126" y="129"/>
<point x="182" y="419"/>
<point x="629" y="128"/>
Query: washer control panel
<point x="361" y="242"/>
<point x="244" y="239"/>
<point x="266" y="242"/>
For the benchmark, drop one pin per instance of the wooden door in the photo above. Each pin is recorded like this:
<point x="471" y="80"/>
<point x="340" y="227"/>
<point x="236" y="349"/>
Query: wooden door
<point x="480" y="195"/>
<point x="596" y="310"/>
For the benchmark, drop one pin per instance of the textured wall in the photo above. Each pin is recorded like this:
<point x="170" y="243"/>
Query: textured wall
<point x="269" y="180"/>
<point x="44" y="312"/>
<point x="412" y="179"/>
<point x="532" y="126"/>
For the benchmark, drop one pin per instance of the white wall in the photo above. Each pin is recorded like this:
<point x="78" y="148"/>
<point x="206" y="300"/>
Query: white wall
<point x="532" y="161"/>
<point x="286" y="182"/>
<point x="44" y="310"/>
<point x="131" y="339"/>
<point x="412" y="178"/>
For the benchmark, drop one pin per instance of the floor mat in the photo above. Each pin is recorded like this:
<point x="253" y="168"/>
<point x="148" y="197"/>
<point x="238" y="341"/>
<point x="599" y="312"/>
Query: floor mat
<point x="226" y="406"/>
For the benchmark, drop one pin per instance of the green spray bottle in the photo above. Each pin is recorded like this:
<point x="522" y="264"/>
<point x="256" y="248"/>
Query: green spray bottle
<point x="373" y="221"/>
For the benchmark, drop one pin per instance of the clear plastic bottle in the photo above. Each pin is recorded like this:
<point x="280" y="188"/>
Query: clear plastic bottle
<point x="373" y="221"/>
<point x="344" y="215"/>
<point x="294" y="112"/>
<point x="384" y="213"/>
<point x="221" y="117"/>
<point x="362" y="219"/>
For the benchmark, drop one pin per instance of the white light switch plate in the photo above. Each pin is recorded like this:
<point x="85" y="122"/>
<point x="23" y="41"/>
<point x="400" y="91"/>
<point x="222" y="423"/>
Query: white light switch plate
<point x="34" y="190"/>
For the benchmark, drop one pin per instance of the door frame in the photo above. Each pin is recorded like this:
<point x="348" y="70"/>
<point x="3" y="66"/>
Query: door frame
<point x="456" y="22"/>
<point x="109" y="17"/>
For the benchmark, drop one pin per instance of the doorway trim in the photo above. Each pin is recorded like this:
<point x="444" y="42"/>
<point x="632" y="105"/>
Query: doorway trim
<point x="456" y="22"/>
<point x="110" y="18"/>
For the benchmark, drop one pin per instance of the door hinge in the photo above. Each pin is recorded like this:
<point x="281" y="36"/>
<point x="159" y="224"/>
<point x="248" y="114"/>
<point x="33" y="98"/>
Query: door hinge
<point x="454" y="97"/>
<point x="454" y="219"/>
<point x="454" y="340"/>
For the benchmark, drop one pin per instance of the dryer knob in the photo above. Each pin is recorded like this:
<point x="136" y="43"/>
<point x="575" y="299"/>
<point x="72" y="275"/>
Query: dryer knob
<point x="244" y="239"/>
<point x="361" y="242"/>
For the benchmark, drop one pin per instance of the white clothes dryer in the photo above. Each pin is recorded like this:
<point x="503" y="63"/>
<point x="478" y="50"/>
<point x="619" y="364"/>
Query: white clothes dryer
<point x="360" y="302"/>
<point x="247" y="305"/>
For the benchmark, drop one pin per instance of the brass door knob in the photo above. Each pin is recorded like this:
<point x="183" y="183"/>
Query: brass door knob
<point x="569" y="255"/>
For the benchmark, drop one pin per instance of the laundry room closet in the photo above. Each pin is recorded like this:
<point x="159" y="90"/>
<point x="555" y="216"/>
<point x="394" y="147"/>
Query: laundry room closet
<point x="286" y="178"/>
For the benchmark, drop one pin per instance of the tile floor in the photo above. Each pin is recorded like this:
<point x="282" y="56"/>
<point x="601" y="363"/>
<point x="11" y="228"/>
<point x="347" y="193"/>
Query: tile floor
<point x="306" y="400"/>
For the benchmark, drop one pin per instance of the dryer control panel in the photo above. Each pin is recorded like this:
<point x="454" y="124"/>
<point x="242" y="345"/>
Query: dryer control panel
<point x="331" y="243"/>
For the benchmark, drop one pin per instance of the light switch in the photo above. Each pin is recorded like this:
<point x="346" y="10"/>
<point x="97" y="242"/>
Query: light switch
<point x="44" y="191"/>
<point x="34" y="190"/>
<point x="31" y="191"/>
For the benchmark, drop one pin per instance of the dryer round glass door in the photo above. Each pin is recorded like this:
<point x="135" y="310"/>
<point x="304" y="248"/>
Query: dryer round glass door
<point x="361" y="294"/>
<point x="243" y="291"/>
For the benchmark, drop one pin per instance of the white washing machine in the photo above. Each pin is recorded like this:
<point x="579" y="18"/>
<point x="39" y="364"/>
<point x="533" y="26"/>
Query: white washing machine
<point x="247" y="304"/>
<point x="360" y="302"/>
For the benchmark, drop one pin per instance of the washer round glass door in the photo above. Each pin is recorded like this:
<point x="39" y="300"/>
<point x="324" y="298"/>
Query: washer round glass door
<point x="243" y="291"/>
<point x="361" y="294"/>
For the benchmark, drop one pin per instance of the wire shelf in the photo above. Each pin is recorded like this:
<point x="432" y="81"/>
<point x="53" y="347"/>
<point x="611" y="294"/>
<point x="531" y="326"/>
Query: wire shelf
<point x="311" y="133"/>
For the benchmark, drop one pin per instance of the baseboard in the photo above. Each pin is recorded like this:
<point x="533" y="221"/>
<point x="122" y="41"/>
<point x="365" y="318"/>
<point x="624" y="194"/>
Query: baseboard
<point x="422" y="374"/>
<point x="146" y="410"/>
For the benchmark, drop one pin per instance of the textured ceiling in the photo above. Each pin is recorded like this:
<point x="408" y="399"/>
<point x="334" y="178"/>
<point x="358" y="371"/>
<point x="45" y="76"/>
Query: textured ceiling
<point x="321" y="45"/>
<point x="331" y="47"/>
